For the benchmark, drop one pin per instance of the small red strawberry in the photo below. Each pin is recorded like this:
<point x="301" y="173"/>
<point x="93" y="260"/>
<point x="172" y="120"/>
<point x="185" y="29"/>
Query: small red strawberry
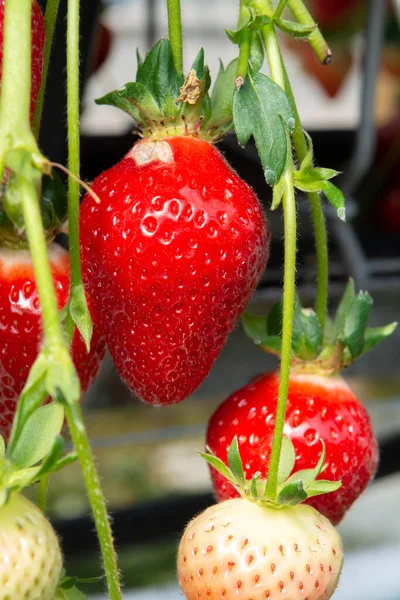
<point x="21" y="329"/>
<point x="38" y="39"/>
<point x="318" y="408"/>
<point x="320" y="405"/>
<point x="242" y="549"/>
<point x="31" y="561"/>
<point x="171" y="256"/>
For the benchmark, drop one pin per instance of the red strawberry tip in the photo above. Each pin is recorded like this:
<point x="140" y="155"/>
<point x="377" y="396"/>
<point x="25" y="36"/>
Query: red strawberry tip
<point x="293" y="488"/>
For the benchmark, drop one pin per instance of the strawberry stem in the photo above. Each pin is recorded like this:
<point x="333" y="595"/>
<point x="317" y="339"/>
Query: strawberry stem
<point x="42" y="492"/>
<point x="280" y="8"/>
<point x="15" y="129"/>
<point x="316" y="39"/>
<point x="50" y="19"/>
<point x="289" y="213"/>
<point x="175" y="32"/>
<point x="244" y="53"/>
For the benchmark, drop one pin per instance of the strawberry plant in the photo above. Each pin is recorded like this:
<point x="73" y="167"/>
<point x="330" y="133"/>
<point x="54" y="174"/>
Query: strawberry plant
<point x="173" y="243"/>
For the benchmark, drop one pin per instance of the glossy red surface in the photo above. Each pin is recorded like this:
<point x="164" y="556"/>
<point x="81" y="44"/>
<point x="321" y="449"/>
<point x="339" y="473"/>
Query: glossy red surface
<point x="21" y="327"/>
<point x="38" y="39"/>
<point x="318" y="408"/>
<point x="171" y="257"/>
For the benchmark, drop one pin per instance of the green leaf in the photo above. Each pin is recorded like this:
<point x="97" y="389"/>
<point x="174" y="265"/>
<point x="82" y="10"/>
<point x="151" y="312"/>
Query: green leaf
<point x="134" y="99"/>
<point x="218" y="464"/>
<point x="254" y="23"/>
<point x="356" y="323"/>
<point x="287" y="460"/>
<point x="235" y="462"/>
<point x="277" y="193"/>
<point x="343" y="309"/>
<point x="296" y="29"/>
<point x="322" y="487"/>
<point x="292" y="494"/>
<point x="157" y="74"/>
<point x="272" y="344"/>
<point x="308" y="476"/>
<point x="336" y="198"/>
<point x="253" y="485"/>
<point x="257" y="55"/>
<point x="374" y="335"/>
<point x="261" y="109"/>
<point x="255" y="327"/>
<point x="38" y="435"/>
<point x="274" y="320"/>
<point x="309" y="157"/>
<point x="222" y="94"/>
<point x="307" y="334"/>
<point x="80" y="314"/>
<point x="70" y="594"/>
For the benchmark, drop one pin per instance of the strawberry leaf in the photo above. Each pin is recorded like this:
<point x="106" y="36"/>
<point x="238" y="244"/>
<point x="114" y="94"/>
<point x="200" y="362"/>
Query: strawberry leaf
<point x="286" y="460"/>
<point x="255" y="327"/>
<point x="38" y="435"/>
<point x="296" y="29"/>
<point x="261" y="109"/>
<point x="218" y="464"/>
<point x="257" y="55"/>
<point x="311" y="179"/>
<point x="356" y="322"/>
<point x="235" y="462"/>
<point x="292" y="494"/>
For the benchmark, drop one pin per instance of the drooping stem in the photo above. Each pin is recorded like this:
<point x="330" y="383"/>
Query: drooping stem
<point x="50" y="18"/>
<point x="175" y="32"/>
<point x="289" y="214"/>
<point x="316" y="39"/>
<point x="280" y="8"/>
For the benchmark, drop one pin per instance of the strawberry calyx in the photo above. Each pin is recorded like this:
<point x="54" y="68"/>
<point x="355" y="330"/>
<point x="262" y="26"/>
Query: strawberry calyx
<point x="53" y="207"/>
<point x="38" y="451"/>
<point x="165" y="103"/>
<point x="292" y="489"/>
<point x="327" y="352"/>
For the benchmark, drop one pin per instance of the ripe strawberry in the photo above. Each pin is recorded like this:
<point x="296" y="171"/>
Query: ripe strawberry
<point x="170" y="256"/>
<point x="331" y="13"/>
<point x="31" y="561"/>
<point x="318" y="408"/>
<point x="38" y="39"/>
<point x="20" y="326"/>
<point x="240" y="548"/>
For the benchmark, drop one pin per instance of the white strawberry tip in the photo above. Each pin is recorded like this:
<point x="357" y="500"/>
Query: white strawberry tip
<point x="293" y="488"/>
<point x="148" y="151"/>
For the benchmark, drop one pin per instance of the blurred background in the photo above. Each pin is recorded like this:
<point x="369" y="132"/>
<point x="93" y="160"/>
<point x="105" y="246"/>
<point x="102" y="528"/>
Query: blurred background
<point x="152" y="475"/>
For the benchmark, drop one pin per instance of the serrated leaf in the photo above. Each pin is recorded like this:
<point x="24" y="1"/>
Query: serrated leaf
<point x="38" y="435"/>
<point x="235" y="462"/>
<point x="158" y="74"/>
<point x="307" y="334"/>
<point x="274" y="320"/>
<point x="296" y="29"/>
<point x="312" y="179"/>
<point x="255" y="327"/>
<point x="343" y="309"/>
<point x="80" y="314"/>
<point x="260" y="109"/>
<point x="374" y="335"/>
<point x="292" y="494"/>
<point x="257" y="55"/>
<point x="322" y="486"/>
<point x="356" y="323"/>
<point x="222" y="94"/>
<point x="218" y="464"/>
<point x="134" y="99"/>
<point x="272" y="344"/>
<point x="287" y="460"/>
<point x="253" y="485"/>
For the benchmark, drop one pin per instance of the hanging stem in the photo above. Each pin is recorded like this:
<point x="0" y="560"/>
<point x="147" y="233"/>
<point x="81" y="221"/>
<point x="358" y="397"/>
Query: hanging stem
<point x="280" y="8"/>
<point x="50" y="19"/>
<point x="175" y="32"/>
<point x="244" y="51"/>
<point x="316" y="39"/>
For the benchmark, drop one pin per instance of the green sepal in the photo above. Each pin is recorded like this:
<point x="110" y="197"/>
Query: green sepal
<point x="295" y="29"/>
<point x="292" y="494"/>
<point x="136" y="100"/>
<point x="72" y="593"/>
<point x="307" y="333"/>
<point x="255" y="327"/>
<point x="222" y="95"/>
<point x="286" y="460"/>
<point x="218" y="464"/>
<point x="274" y="320"/>
<point x="253" y="485"/>
<point x="307" y="476"/>
<point x="261" y="109"/>
<point x="235" y="462"/>
<point x="322" y="486"/>
<point x="202" y="108"/>
<point x="343" y="310"/>
<point x="272" y="344"/>
<point x="79" y="311"/>
<point x="38" y="435"/>
<point x="356" y="322"/>
<point x="374" y="335"/>
<point x="157" y="73"/>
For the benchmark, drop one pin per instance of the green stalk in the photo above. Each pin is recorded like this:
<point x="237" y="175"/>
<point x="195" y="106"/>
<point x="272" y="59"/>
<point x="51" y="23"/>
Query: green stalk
<point x="316" y="39"/>
<point x="50" y="18"/>
<point x="280" y="8"/>
<point x="289" y="214"/>
<point x="42" y="492"/>
<point x="15" y="129"/>
<point x="175" y="32"/>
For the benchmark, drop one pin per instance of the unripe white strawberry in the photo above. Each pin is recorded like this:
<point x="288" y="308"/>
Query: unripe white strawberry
<point x="242" y="549"/>
<point x="30" y="555"/>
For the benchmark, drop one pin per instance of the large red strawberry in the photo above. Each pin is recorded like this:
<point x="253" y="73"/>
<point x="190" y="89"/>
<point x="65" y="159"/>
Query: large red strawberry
<point x="318" y="408"/>
<point x="38" y="39"/>
<point x="171" y="256"/>
<point x="21" y="329"/>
